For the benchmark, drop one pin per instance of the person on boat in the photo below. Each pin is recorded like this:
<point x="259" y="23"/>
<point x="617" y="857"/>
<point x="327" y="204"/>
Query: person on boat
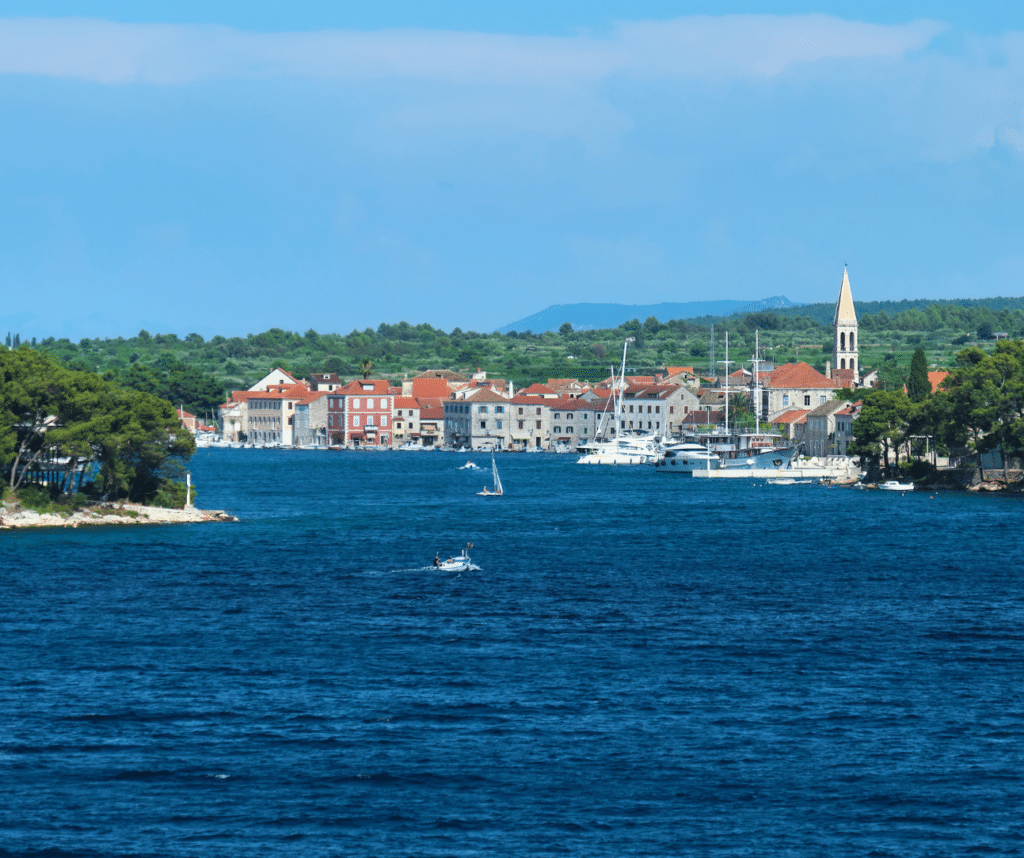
<point x="437" y="560"/>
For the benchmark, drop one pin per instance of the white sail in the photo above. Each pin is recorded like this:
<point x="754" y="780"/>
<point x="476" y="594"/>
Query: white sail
<point x="497" y="479"/>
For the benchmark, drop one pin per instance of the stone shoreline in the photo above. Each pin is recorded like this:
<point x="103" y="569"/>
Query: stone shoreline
<point x="127" y="513"/>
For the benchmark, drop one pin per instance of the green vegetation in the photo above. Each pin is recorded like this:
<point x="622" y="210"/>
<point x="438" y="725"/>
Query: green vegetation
<point x="980" y="407"/>
<point x="198" y="374"/>
<point x="65" y="431"/>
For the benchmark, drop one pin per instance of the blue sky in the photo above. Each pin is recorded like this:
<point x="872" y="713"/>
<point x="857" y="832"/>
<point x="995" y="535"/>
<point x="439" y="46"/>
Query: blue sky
<point x="230" y="167"/>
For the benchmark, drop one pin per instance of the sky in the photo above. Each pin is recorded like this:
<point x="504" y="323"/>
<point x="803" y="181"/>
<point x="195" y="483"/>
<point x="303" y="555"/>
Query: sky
<point x="229" y="167"/>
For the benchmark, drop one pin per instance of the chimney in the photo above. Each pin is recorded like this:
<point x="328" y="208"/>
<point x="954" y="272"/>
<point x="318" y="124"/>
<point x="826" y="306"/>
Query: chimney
<point x="828" y="369"/>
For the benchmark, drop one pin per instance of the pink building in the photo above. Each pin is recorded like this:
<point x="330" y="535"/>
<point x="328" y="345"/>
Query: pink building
<point x="360" y="413"/>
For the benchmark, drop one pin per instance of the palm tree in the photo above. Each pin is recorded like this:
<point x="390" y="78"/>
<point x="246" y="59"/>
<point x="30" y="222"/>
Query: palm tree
<point x="366" y="367"/>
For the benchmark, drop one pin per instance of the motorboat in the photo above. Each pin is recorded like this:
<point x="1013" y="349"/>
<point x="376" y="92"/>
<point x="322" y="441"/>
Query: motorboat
<point x="455" y="564"/>
<point x="896" y="486"/>
<point x="497" y="491"/>
<point x="687" y="457"/>
<point x="470" y="466"/>
<point x="624" y="450"/>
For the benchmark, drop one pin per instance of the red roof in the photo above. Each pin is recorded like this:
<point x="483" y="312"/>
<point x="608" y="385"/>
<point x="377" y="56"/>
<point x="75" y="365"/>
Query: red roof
<point x="406" y="402"/>
<point x="539" y="390"/>
<point x="438" y="387"/>
<point x="369" y="387"/>
<point x="936" y="378"/>
<point x="794" y="415"/>
<point x="312" y="396"/>
<point x="797" y="376"/>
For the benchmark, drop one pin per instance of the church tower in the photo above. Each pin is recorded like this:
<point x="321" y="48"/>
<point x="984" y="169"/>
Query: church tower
<point x="845" y="359"/>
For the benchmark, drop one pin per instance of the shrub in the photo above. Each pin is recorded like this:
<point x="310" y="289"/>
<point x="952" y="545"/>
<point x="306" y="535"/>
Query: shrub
<point x="34" y="497"/>
<point x="171" y="495"/>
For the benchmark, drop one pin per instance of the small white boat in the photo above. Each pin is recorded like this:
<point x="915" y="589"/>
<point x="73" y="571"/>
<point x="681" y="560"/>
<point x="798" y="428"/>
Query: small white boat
<point x="498" y="491"/>
<point x="470" y="466"/>
<point x="896" y="486"/>
<point x="455" y="564"/>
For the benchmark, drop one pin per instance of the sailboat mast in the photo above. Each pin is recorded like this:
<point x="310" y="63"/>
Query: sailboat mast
<point x="619" y="407"/>
<point x="757" y="382"/>
<point x="726" y="362"/>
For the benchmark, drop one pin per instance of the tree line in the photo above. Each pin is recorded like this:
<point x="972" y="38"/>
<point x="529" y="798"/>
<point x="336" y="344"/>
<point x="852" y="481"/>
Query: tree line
<point x="85" y="434"/>
<point x="979" y="407"/>
<point x="199" y="374"/>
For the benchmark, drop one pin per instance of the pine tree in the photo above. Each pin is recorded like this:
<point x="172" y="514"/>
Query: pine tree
<point x="918" y="386"/>
<point x="17" y="340"/>
<point x="8" y="339"/>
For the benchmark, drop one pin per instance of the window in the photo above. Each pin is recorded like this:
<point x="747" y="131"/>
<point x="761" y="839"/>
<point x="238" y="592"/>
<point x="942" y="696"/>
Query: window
<point x="672" y="410"/>
<point x="355" y="403"/>
<point x="822" y="399"/>
<point x="807" y="399"/>
<point x="521" y="422"/>
<point x="520" y="410"/>
<point x="785" y="400"/>
<point x="383" y="420"/>
<point x="355" y="420"/>
<point x="369" y="419"/>
<point x="398" y="425"/>
<point x="383" y="404"/>
<point x="569" y="416"/>
<point x="558" y="416"/>
<point x="483" y="424"/>
<point x="538" y="424"/>
<point x="398" y="413"/>
<point x="538" y="412"/>
<point x="330" y="419"/>
<point x="483" y="409"/>
<point x="630" y="409"/>
<point x="499" y="424"/>
<point x="499" y="409"/>
<point x="568" y="430"/>
<point x="648" y="409"/>
<point x="558" y="429"/>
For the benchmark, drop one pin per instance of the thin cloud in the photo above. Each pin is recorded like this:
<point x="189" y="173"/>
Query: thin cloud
<point x="697" y="47"/>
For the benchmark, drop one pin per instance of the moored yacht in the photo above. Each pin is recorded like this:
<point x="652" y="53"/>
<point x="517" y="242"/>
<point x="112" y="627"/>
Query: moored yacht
<point x="624" y="447"/>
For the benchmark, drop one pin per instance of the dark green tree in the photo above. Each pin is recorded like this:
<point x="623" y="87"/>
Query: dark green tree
<point x="918" y="386"/>
<point x="881" y="427"/>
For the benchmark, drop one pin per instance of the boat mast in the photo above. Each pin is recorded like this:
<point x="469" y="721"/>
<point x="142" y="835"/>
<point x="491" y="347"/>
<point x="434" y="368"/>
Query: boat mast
<point x="726" y="362"/>
<point x="619" y="407"/>
<point x="757" y="384"/>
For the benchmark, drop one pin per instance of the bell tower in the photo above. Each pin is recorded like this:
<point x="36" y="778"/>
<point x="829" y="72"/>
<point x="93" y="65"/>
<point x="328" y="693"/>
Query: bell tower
<point x="845" y="357"/>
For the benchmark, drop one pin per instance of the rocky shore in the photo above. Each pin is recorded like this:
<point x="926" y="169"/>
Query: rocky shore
<point x="127" y="513"/>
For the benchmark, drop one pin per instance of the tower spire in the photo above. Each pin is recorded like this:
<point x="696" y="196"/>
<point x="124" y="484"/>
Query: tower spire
<point x="845" y="355"/>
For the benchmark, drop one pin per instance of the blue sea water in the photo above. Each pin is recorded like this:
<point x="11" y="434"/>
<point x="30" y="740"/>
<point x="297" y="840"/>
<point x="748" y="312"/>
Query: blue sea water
<point x="643" y="665"/>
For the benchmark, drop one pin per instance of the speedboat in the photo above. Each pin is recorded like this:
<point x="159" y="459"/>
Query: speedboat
<point x="896" y="486"/>
<point x="455" y="564"/>
<point x="470" y="466"/>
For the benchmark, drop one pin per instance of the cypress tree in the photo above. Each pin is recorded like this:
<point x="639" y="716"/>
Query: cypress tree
<point x="918" y="386"/>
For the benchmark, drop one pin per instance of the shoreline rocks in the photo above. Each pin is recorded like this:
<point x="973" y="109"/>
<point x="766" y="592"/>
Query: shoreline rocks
<point x="119" y="514"/>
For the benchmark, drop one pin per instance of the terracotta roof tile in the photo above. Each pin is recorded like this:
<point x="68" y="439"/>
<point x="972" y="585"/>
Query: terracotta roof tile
<point x="797" y="376"/>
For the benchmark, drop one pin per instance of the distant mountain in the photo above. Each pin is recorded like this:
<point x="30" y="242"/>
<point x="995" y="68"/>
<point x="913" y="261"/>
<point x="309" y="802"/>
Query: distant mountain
<point x="590" y="317"/>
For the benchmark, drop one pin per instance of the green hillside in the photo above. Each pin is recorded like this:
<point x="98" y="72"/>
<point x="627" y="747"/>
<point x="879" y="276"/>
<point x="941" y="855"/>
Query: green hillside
<point x="198" y="373"/>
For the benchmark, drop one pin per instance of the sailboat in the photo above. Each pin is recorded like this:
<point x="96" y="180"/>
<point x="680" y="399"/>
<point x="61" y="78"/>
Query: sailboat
<point x="497" y="491"/>
<point x="625" y="447"/>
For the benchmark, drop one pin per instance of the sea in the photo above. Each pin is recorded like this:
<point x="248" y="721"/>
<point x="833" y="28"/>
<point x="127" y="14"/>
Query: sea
<point x="641" y="664"/>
